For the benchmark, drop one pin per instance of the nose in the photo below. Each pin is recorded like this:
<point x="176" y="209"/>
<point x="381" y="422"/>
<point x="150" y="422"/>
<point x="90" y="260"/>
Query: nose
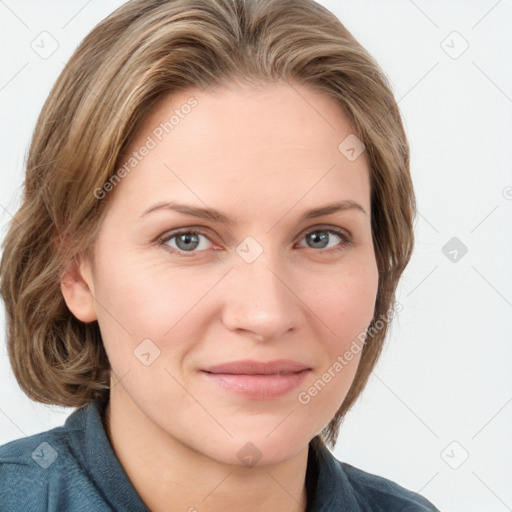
<point x="260" y="299"/>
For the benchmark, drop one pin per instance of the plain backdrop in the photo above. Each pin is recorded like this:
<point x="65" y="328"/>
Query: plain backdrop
<point x="436" y="415"/>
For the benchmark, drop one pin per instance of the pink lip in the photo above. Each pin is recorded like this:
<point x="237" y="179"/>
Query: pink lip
<point x="258" y="380"/>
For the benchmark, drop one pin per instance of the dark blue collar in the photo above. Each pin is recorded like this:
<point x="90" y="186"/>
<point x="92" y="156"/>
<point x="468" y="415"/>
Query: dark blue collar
<point x="327" y="484"/>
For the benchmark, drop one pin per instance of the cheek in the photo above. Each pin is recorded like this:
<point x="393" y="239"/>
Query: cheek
<point x="345" y="306"/>
<point x="345" y="302"/>
<point x="140" y="300"/>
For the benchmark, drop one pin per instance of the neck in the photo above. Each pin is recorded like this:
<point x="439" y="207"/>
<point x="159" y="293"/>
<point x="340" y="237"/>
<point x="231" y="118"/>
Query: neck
<point x="164" y="470"/>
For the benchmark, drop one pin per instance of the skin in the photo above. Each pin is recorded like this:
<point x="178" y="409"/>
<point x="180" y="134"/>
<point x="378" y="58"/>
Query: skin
<point x="262" y="156"/>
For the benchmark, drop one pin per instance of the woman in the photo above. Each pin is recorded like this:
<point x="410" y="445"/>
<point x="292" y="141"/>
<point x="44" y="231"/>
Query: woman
<point x="217" y="211"/>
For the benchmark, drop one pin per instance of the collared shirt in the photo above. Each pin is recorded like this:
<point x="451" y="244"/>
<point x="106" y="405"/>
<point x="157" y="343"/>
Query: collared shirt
<point x="73" y="468"/>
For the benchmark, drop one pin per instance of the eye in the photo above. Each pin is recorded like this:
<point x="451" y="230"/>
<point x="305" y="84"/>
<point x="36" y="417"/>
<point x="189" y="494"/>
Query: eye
<point x="190" y="241"/>
<point x="320" y="238"/>
<point x="184" y="241"/>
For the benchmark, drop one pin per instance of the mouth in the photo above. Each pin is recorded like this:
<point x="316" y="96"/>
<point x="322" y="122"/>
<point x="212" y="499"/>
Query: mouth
<point x="258" y="380"/>
<point x="251" y="367"/>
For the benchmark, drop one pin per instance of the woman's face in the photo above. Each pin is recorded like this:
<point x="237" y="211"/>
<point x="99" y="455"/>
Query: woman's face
<point x="265" y="283"/>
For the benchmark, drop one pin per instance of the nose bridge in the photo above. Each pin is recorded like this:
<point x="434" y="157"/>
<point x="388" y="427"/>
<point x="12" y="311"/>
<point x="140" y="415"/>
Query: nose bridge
<point x="259" y="298"/>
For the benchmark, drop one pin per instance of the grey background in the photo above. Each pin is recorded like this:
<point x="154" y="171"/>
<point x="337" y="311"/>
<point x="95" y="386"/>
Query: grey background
<point x="442" y="389"/>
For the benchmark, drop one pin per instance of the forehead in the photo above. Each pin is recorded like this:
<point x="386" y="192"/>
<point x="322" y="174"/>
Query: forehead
<point x="280" y="142"/>
<point x="270" y="114"/>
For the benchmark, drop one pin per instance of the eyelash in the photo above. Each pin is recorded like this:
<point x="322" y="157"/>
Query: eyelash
<point x="345" y="240"/>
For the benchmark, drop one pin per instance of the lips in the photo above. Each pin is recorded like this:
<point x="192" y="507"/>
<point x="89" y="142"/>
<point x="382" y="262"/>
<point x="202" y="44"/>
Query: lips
<point x="251" y="367"/>
<point x="257" y="380"/>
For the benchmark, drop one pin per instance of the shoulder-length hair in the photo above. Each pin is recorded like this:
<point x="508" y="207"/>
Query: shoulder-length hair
<point x="144" y="50"/>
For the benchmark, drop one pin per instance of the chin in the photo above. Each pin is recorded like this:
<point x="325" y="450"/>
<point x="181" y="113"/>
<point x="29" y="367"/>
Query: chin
<point x="256" y="447"/>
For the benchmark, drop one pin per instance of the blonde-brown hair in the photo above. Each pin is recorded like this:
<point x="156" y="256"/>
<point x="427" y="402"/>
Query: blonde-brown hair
<point x="142" y="51"/>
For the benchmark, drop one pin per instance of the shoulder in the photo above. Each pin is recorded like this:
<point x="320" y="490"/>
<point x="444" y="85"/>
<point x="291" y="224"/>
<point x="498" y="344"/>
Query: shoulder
<point x="380" y="494"/>
<point x="32" y="466"/>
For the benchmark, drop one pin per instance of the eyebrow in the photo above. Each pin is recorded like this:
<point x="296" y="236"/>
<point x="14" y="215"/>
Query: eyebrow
<point x="216" y="216"/>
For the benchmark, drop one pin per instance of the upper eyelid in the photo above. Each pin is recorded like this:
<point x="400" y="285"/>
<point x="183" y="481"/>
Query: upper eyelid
<point x="327" y="227"/>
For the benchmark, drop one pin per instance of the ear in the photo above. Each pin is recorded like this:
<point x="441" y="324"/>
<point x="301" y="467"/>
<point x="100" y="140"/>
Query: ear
<point x="78" y="289"/>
